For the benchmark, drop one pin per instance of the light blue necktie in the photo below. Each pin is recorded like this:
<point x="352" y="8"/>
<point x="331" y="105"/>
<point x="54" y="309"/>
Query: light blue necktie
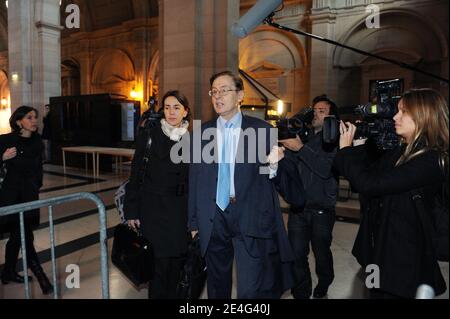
<point x="223" y="182"/>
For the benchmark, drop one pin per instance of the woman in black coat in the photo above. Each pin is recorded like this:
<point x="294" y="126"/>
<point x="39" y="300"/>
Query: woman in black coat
<point x="21" y="150"/>
<point x="156" y="196"/>
<point x="391" y="234"/>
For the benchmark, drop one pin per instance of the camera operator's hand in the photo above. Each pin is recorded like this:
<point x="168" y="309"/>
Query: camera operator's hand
<point x="347" y="134"/>
<point x="134" y="224"/>
<point x="276" y="155"/>
<point x="293" y="144"/>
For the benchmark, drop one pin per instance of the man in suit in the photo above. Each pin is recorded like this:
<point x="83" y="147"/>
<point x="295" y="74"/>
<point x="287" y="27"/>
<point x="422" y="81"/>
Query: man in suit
<point x="234" y="206"/>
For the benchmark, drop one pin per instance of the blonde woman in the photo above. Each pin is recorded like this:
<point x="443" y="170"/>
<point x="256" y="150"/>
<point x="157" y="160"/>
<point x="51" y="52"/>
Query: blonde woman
<point x="391" y="234"/>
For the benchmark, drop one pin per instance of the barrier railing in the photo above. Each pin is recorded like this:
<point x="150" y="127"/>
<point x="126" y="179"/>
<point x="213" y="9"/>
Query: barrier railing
<point x="50" y="203"/>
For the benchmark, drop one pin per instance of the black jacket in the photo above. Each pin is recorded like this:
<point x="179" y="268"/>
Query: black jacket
<point x="160" y="202"/>
<point x="391" y="235"/>
<point x="315" y="163"/>
<point x="24" y="173"/>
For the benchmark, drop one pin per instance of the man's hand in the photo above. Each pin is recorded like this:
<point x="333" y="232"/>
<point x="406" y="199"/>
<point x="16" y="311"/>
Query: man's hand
<point x="276" y="155"/>
<point x="293" y="144"/>
<point x="134" y="224"/>
<point x="194" y="233"/>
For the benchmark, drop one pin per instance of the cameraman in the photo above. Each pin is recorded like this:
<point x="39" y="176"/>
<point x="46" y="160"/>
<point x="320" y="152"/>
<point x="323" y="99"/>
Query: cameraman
<point x="314" y="222"/>
<point x="149" y="118"/>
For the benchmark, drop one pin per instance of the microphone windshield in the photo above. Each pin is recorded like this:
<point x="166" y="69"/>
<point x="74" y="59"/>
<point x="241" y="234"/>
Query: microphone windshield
<point x="425" y="292"/>
<point x="261" y="10"/>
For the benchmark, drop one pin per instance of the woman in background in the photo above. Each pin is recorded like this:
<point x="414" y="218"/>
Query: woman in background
<point x="22" y="150"/>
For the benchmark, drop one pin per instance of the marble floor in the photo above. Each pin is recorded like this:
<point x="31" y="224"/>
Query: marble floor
<point x="76" y="233"/>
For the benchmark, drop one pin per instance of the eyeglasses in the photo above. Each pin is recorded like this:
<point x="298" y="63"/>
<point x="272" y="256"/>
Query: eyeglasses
<point x="222" y="92"/>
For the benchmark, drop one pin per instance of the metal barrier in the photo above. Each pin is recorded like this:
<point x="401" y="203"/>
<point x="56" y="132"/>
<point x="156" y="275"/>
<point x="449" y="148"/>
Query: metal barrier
<point x="22" y="208"/>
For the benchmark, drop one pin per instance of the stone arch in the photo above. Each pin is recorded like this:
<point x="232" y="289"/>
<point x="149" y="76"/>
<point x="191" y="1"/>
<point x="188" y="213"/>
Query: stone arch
<point x="278" y="60"/>
<point x="359" y="26"/>
<point x="113" y="72"/>
<point x="287" y="41"/>
<point x="70" y="77"/>
<point x="404" y="36"/>
<point x="4" y="85"/>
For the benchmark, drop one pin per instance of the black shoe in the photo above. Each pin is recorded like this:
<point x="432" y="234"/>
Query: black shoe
<point x="12" y="276"/>
<point x="45" y="284"/>
<point x="320" y="292"/>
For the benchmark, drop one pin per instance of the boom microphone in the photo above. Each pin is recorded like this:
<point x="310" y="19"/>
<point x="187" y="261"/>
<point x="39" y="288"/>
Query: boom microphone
<point x="261" y="10"/>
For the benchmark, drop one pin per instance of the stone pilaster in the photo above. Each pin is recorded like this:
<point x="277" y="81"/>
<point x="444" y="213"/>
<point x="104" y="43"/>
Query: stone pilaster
<point x="34" y="52"/>
<point x="195" y="47"/>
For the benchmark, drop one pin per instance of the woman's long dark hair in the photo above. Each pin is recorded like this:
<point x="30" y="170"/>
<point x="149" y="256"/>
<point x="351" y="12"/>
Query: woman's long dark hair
<point x="18" y="115"/>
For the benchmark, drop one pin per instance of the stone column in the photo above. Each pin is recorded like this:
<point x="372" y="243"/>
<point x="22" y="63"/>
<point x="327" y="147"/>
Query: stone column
<point x="322" y="72"/>
<point x="85" y="61"/>
<point x="142" y="45"/>
<point x="198" y="45"/>
<point x="34" y="52"/>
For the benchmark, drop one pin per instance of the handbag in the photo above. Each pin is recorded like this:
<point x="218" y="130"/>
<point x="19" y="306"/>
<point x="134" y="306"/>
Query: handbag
<point x="133" y="255"/>
<point x="193" y="275"/>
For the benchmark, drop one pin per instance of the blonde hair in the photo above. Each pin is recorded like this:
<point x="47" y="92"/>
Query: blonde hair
<point x="429" y="111"/>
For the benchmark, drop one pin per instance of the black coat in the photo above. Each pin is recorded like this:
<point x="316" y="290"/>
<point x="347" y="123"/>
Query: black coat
<point x="391" y="234"/>
<point x="24" y="174"/>
<point x="160" y="202"/>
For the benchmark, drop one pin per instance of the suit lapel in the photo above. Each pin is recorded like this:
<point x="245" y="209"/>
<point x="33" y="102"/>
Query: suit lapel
<point x="212" y="168"/>
<point x="242" y="172"/>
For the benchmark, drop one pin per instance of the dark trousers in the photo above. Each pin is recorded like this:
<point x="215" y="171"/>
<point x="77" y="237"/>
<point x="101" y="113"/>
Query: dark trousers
<point x="256" y="269"/>
<point x="166" y="277"/>
<point x="14" y="244"/>
<point x="311" y="226"/>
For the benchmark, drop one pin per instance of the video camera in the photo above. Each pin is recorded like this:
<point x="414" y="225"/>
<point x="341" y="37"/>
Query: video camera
<point x="151" y="117"/>
<point x="376" y="119"/>
<point x="299" y="124"/>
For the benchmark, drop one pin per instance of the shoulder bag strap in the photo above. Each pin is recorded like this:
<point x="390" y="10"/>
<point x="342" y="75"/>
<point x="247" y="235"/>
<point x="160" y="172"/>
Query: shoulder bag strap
<point x="145" y="160"/>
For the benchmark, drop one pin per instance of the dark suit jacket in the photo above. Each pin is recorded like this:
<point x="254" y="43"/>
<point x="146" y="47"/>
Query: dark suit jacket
<point x="24" y="175"/>
<point x="256" y="198"/>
